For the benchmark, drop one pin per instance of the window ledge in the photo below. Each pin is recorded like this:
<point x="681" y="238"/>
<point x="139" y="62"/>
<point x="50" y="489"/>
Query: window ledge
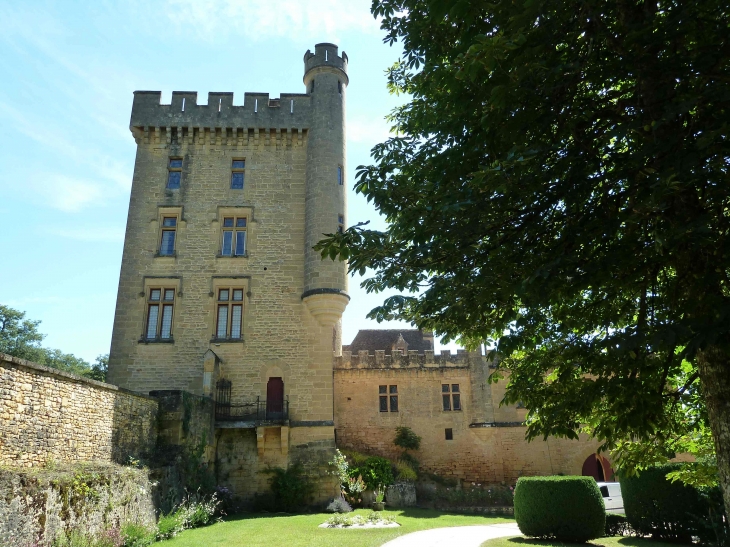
<point x="226" y="340"/>
<point x="232" y="256"/>
<point x="144" y="340"/>
<point x="173" y="255"/>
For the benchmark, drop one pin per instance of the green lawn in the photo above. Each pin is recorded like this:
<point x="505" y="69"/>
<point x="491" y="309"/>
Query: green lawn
<point x="603" y="542"/>
<point x="256" y="530"/>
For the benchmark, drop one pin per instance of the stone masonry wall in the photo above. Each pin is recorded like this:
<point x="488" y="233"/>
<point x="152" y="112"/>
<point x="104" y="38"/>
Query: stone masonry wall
<point x="46" y="414"/>
<point x="242" y="458"/>
<point x="488" y="444"/>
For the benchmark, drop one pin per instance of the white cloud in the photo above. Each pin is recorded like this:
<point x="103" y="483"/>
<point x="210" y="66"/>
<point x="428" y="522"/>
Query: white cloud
<point x="93" y="234"/>
<point x="65" y="193"/>
<point x="257" y="19"/>
<point x="367" y="130"/>
<point x="21" y="302"/>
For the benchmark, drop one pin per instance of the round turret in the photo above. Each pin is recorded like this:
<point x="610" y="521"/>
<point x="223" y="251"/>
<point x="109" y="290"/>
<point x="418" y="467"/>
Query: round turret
<point x="325" y="281"/>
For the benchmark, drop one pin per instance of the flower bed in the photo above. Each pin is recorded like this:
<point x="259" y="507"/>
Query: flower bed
<point x="371" y="520"/>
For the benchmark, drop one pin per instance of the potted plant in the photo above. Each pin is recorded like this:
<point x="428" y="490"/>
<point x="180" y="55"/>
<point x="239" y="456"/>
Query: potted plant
<point x="379" y="503"/>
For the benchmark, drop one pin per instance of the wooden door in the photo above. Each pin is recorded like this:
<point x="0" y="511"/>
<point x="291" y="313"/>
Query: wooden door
<point x="593" y="467"/>
<point x="274" y="399"/>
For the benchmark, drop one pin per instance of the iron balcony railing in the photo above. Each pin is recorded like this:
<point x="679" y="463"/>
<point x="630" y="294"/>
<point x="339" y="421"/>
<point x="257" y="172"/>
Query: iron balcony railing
<point x="256" y="411"/>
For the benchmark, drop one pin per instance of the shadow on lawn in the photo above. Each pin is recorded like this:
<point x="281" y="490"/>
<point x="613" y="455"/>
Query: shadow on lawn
<point x="410" y="512"/>
<point x="627" y="541"/>
<point x="435" y="513"/>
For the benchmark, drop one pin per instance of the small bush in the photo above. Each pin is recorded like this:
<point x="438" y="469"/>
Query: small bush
<point x="136" y="535"/>
<point x="339" y="505"/>
<point x="672" y="510"/>
<point x="564" y="508"/>
<point x="291" y="488"/>
<point x="169" y="526"/>
<point x="374" y="472"/>
<point x="405" y="472"/>
<point x="410" y="461"/>
<point x="355" y="458"/>
<point x="406" y="438"/>
<point x="191" y="513"/>
<point x="617" y="525"/>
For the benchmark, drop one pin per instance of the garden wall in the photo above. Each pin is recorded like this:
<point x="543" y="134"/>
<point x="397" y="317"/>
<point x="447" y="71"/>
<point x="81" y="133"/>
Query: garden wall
<point x="38" y="504"/>
<point x="481" y="442"/>
<point x="47" y="415"/>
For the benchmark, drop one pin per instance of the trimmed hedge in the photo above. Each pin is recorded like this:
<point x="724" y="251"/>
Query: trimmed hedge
<point x="617" y="525"/>
<point x="672" y="510"/>
<point x="564" y="508"/>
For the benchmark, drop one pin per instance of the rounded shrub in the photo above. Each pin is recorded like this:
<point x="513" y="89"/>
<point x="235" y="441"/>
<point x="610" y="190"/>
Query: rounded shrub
<point x="564" y="508"/>
<point x="670" y="510"/>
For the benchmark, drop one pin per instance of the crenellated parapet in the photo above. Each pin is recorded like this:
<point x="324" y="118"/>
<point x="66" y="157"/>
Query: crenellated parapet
<point x="406" y="359"/>
<point x="260" y="120"/>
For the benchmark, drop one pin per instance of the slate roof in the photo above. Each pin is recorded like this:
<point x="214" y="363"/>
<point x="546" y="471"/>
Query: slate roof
<point x="385" y="339"/>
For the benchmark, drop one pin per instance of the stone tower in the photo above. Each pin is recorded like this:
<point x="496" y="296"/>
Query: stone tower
<point x="220" y="294"/>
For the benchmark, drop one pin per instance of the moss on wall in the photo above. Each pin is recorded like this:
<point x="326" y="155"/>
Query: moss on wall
<point x="36" y="505"/>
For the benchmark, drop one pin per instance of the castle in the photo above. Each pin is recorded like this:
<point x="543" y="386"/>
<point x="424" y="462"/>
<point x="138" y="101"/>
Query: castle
<point x="221" y="296"/>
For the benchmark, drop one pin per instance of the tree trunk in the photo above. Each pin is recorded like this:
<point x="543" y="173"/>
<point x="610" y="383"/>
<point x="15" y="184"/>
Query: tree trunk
<point x="714" y="368"/>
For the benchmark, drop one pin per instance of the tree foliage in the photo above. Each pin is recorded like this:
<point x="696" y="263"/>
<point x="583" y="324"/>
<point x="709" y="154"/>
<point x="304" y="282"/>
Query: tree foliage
<point x="559" y="184"/>
<point x="20" y="337"/>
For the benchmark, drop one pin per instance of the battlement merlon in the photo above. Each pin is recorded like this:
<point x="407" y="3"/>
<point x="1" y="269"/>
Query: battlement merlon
<point x="289" y="111"/>
<point x="407" y="360"/>
<point x="325" y="59"/>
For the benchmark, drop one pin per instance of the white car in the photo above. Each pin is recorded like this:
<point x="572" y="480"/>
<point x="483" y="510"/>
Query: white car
<point x="612" y="499"/>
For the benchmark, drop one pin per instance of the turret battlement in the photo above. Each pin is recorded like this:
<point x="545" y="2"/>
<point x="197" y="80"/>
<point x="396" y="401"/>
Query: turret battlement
<point x="406" y="359"/>
<point x="289" y="112"/>
<point x="325" y="55"/>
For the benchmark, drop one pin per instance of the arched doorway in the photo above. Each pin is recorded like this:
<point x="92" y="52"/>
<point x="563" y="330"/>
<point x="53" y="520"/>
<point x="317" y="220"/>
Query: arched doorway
<point x="598" y="467"/>
<point x="275" y="398"/>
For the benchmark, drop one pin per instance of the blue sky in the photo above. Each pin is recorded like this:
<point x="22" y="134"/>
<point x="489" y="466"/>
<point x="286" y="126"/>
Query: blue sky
<point x="66" y="154"/>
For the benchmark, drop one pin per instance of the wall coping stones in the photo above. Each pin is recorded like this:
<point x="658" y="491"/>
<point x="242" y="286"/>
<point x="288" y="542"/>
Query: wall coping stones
<point x="10" y="361"/>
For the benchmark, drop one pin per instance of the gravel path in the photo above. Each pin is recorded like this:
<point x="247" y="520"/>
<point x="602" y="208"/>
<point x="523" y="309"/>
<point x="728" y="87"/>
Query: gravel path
<point x="458" y="536"/>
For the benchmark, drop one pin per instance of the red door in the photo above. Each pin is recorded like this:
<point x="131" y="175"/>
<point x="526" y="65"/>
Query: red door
<point x="275" y="399"/>
<point x="598" y="467"/>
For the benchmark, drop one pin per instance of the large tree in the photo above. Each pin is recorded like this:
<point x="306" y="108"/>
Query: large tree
<point x="559" y="183"/>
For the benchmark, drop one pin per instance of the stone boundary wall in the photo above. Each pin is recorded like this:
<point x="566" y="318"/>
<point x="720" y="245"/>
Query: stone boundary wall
<point x="50" y="415"/>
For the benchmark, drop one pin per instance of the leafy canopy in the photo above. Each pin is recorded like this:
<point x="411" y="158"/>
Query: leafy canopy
<point x="558" y="184"/>
<point x="20" y="337"/>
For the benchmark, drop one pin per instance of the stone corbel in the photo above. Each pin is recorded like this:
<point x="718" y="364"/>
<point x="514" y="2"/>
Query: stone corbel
<point x="260" y="434"/>
<point x="284" y="440"/>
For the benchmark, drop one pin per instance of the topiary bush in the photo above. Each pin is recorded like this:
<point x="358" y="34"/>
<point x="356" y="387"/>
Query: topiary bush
<point x="672" y="510"/>
<point x="564" y="508"/>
